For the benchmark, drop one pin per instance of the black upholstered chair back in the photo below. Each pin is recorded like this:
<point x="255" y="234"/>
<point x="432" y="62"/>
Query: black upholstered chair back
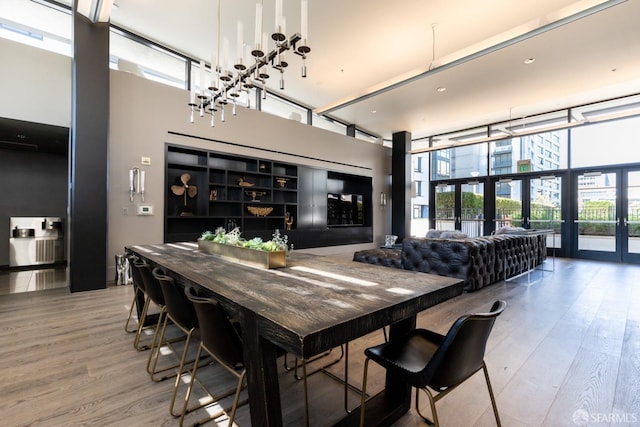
<point x="178" y="306"/>
<point x="217" y="333"/>
<point x="151" y="284"/>
<point x="461" y="354"/>
<point x="135" y="272"/>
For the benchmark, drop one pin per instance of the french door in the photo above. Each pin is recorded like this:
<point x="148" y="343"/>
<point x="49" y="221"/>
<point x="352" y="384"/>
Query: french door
<point x="460" y="206"/>
<point x="532" y="202"/>
<point x="606" y="220"/>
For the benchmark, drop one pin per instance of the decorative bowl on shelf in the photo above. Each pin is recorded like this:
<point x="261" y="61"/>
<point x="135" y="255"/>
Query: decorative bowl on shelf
<point x="260" y="210"/>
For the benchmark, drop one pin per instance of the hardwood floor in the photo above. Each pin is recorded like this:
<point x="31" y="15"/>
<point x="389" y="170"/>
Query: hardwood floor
<point x="565" y="352"/>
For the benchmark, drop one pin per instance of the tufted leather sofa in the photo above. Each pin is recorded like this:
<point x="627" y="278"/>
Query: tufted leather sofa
<point x="479" y="261"/>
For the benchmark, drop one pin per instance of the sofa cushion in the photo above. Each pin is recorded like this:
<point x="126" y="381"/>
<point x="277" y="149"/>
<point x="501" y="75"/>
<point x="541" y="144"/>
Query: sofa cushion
<point x="433" y="233"/>
<point x="381" y="256"/>
<point x="437" y="256"/>
<point x="453" y="234"/>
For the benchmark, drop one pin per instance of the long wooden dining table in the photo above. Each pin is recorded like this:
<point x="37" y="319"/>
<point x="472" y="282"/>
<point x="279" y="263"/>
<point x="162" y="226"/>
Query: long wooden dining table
<point x="312" y="305"/>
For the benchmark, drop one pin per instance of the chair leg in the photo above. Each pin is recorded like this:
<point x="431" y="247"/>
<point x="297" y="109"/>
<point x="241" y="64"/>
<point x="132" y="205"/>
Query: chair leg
<point x="237" y="403"/>
<point x="180" y="372"/>
<point x="363" y="399"/>
<point x="155" y="343"/>
<point x="190" y="386"/>
<point x="141" y="321"/>
<point x="313" y="359"/>
<point x="432" y="403"/>
<point x="306" y="393"/>
<point x="346" y="378"/>
<point x="133" y="304"/>
<point x="236" y="399"/>
<point x="491" y="395"/>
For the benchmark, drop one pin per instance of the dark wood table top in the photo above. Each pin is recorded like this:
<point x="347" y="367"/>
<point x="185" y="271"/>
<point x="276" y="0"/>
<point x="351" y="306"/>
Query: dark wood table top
<point x="316" y="302"/>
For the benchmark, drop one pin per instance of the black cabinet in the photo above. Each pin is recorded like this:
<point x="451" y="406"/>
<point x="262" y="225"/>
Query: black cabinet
<point x="313" y="198"/>
<point x="259" y="196"/>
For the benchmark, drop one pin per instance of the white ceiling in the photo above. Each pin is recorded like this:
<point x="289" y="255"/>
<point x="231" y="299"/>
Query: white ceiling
<point x="359" y="48"/>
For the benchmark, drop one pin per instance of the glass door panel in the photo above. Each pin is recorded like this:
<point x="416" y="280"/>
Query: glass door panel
<point x="445" y="207"/>
<point x="597" y="212"/>
<point x="631" y="218"/>
<point x="508" y="204"/>
<point x="545" y="208"/>
<point x="472" y="213"/>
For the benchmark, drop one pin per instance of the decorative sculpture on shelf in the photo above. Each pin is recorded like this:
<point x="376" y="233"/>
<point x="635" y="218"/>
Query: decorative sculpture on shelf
<point x="282" y="181"/>
<point x="213" y="195"/>
<point x="186" y="190"/>
<point x="255" y="194"/>
<point x="288" y="220"/>
<point x="243" y="183"/>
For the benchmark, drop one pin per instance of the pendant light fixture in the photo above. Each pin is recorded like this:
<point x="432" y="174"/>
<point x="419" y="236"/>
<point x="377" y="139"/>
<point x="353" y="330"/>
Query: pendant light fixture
<point x="229" y="81"/>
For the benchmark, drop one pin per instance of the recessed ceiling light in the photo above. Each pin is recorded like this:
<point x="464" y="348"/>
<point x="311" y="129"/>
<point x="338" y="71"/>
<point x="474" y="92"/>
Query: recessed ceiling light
<point x="441" y="89"/>
<point x="374" y="111"/>
<point x="529" y="61"/>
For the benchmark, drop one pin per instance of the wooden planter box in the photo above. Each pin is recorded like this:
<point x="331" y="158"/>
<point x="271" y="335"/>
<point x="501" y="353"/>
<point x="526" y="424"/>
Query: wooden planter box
<point x="275" y="259"/>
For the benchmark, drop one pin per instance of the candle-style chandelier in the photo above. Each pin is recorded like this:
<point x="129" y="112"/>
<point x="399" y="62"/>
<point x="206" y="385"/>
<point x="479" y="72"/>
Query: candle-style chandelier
<point x="227" y="83"/>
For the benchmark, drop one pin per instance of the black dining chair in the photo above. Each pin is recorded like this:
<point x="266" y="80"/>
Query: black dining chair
<point x="221" y="339"/>
<point x="137" y="265"/>
<point x="137" y="290"/>
<point x="429" y="361"/>
<point x="181" y="313"/>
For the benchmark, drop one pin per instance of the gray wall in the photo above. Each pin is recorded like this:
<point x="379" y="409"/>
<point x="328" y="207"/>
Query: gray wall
<point x="144" y="112"/>
<point x="33" y="184"/>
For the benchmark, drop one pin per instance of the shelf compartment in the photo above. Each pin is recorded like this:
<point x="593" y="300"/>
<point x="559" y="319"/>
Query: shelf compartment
<point x="280" y="196"/>
<point x="186" y="157"/>
<point x="281" y="182"/>
<point x="217" y="176"/>
<point x="225" y="209"/>
<point x="240" y="164"/>
<point x="266" y="224"/>
<point x="256" y="195"/>
<point x="285" y="169"/>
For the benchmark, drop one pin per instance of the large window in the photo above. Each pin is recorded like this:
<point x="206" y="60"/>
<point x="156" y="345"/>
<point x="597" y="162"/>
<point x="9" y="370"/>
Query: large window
<point x="545" y="151"/>
<point x="146" y="61"/>
<point x="328" y="124"/>
<point x="606" y="143"/>
<point x="45" y="27"/>
<point x="280" y="107"/>
<point x="461" y="162"/>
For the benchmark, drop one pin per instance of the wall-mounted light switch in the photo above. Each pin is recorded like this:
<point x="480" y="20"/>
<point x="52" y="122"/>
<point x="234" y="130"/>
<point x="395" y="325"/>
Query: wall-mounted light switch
<point x="146" y="161"/>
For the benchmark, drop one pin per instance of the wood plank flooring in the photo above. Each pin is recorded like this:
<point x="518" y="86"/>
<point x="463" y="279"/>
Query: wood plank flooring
<point x="565" y="352"/>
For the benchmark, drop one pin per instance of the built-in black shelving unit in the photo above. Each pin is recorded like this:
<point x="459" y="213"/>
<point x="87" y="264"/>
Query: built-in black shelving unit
<point x="259" y="196"/>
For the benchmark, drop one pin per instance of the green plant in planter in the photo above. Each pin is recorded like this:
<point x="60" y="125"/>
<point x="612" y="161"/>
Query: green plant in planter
<point x="279" y="242"/>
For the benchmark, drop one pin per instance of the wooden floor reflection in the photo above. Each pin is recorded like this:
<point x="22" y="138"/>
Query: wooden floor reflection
<point x="17" y="281"/>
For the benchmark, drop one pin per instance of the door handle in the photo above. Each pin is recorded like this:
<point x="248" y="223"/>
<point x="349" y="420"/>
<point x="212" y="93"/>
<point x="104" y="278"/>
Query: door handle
<point x="625" y="222"/>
